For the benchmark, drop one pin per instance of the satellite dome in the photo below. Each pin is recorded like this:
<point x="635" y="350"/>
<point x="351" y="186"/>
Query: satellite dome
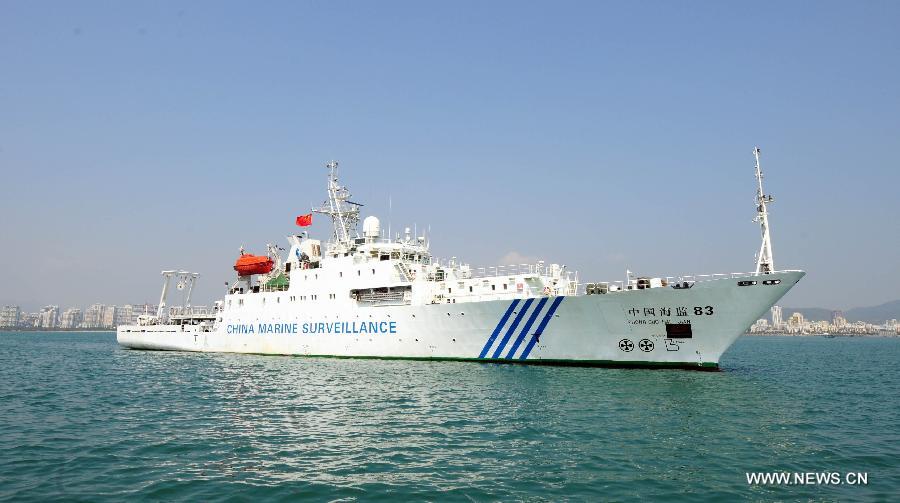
<point x="371" y="227"/>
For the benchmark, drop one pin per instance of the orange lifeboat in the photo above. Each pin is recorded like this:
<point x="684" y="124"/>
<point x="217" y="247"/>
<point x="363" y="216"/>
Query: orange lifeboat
<point x="253" y="264"/>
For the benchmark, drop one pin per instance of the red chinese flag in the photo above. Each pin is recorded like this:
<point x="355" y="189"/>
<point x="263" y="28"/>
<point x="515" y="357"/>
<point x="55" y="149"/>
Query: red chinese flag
<point x="304" y="220"/>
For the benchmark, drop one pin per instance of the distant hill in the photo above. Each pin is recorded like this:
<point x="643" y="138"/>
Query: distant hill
<point x="873" y="314"/>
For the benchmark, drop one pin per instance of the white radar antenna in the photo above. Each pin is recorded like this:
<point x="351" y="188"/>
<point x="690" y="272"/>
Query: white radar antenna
<point x="343" y="212"/>
<point x="764" y="262"/>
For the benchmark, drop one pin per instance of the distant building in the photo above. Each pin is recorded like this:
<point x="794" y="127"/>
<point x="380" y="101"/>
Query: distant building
<point x="796" y="320"/>
<point x="777" y="318"/>
<point x="139" y="309"/>
<point x="127" y="314"/>
<point x="124" y="314"/>
<point x="30" y="320"/>
<point x="761" y="325"/>
<point x="109" y="317"/>
<point x="71" y="318"/>
<point x="10" y="316"/>
<point x="837" y="319"/>
<point x="49" y="317"/>
<point x="93" y="316"/>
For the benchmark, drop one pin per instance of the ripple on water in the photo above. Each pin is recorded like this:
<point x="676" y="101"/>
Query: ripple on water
<point x="86" y="419"/>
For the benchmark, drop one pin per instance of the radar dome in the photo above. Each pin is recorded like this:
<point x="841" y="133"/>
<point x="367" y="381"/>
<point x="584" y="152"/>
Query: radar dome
<point x="371" y="227"/>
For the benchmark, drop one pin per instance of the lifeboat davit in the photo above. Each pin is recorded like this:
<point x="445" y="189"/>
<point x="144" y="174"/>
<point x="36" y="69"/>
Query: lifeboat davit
<point x="253" y="264"/>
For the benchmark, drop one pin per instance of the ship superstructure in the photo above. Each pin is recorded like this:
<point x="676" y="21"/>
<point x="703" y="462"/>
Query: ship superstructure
<point x="371" y="295"/>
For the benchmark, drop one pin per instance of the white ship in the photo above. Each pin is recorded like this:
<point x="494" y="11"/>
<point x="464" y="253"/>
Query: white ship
<point x="371" y="296"/>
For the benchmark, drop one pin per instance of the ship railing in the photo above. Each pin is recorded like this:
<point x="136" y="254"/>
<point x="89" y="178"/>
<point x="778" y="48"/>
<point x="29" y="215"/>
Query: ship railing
<point x="716" y="276"/>
<point x="686" y="278"/>
<point x="462" y="298"/>
<point x="190" y="312"/>
<point x="508" y="270"/>
<point x="567" y="288"/>
<point x="274" y="288"/>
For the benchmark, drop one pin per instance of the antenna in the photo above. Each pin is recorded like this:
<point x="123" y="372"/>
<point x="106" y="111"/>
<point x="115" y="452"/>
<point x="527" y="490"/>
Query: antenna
<point x="764" y="262"/>
<point x="343" y="212"/>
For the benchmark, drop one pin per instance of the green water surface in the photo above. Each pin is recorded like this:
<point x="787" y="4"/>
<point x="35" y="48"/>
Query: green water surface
<point x="82" y="419"/>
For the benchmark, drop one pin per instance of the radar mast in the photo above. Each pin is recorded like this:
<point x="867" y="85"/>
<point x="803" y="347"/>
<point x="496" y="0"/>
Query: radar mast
<point x="764" y="262"/>
<point x="343" y="212"/>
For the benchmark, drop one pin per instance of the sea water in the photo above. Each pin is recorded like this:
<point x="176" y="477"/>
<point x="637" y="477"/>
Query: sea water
<point x="82" y="418"/>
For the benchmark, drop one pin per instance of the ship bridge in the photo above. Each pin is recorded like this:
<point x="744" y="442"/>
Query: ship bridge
<point x="374" y="270"/>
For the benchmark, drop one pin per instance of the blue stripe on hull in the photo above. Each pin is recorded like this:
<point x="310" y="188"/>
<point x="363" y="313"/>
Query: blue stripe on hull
<point x="528" y="324"/>
<point x="496" y="331"/>
<point x="512" y="328"/>
<point x="541" y="327"/>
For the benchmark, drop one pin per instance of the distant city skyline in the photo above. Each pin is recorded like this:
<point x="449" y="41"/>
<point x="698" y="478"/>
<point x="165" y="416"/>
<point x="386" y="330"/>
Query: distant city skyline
<point x="797" y="324"/>
<point x="95" y="316"/>
<point x="607" y="137"/>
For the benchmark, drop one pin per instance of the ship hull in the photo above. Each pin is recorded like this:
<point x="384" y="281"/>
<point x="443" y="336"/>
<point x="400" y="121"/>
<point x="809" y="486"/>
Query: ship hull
<point x="656" y="327"/>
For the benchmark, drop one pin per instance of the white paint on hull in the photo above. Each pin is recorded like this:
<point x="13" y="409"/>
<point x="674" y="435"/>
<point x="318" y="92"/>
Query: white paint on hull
<point x="584" y="328"/>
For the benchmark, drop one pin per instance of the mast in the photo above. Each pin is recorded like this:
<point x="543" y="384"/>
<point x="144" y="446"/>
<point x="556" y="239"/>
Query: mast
<point x="343" y="212"/>
<point x="764" y="261"/>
